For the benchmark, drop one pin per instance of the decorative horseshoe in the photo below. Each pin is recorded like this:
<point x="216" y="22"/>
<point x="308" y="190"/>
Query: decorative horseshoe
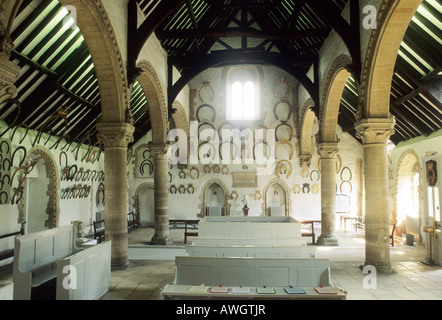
<point x="86" y="175"/>
<point x="1" y="147"/>
<point x="304" y="173"/>
<point x="149" y="164"/>
<point x="258" y="195"/>
<point x="206" y="84"/>
<point x="182" y="174"/>
<point x="284" y="123"/>
<point x="317" y="173"/>
<point x="305" y="187"/>
<point x="65" y="157"/>
<point x="100" y="176"/>
<point x="79" y="175"/>
<point x="4" y="164"/>
<point x="315" y="189"/>
<point x="216" y="168"/>
<point x="194" y="169"/>
<point x="280" y="81"/>
<point x="276" y="107"/>
<point x="281" y="165"/>
<point x="206" y="168"/>
<point x="269" y="151"/>
<point x="170" y="177"/>
<point x="182" y="189"/>
<point x="190" y="189"/>
<point x="173" y="189"/>
<point x="71" y="175"/>
<point x="22" y="125"/>
<point x="234" y="195"/>
<point x="225" y="169"/>
<point x="93" y="174"/>
<point x="18" y="191"/>
<point x="285" y="141"/>
<point x="205" y="106"/>
<point x="297" y="189"/>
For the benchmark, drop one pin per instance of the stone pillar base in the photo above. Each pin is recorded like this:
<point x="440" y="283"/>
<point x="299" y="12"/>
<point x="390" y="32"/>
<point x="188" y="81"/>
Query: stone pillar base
<point x="158" y="240"/>
<point x="327" y="241"/>
<point x="385" y="269"/>
<point x="123" y="266"/>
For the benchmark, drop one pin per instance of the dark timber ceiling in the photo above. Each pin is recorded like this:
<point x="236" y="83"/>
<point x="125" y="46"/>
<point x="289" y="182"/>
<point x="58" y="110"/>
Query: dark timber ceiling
<point x="57" y="68"/>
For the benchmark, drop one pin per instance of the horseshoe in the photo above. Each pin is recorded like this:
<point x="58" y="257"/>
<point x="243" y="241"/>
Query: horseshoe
<point x="24" y="155"/>
<point x="71" y="175"/>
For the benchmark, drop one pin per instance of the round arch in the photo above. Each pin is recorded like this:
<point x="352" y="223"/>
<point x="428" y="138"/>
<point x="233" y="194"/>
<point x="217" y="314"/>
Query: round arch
<point x="96" y="28"/>
<point x="331" y="100"/>
<point x="151" y="85"/>
<point x="136" y="196"/>
<point x="394" y="18"/>
<point x="204" y="200"/>
<point x="53" y="188"/>
<point x="287" y="198"/>
<point x="408" y="193"/>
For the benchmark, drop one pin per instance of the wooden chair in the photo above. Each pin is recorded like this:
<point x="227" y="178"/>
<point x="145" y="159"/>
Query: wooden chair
<point x="393" y="225"/>
<point x="99" y="230"/>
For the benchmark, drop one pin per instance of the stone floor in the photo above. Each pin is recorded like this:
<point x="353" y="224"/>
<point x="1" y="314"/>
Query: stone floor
<point x="152" y="268"/>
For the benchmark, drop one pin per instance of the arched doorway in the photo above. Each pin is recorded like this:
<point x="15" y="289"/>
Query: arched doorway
<point x="42" y="191"/>
<point x="276" y="199"/>
<point x="144" y="204"/>
<point x="408" y="194"/>
<point x="215" y="197"/>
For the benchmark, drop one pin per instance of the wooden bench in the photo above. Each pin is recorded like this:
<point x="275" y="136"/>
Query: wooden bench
<point x="93" y="273"/>
<point x="9" y="253"/>
<point x="280" y="242"/>
<point x="251" y="273"/>
<point x="99" y="230"/>
<point x="193" y="223"/>
<point x="312" y="232"/>
<point x="35" y="257"/>
<point x="40" y="258"/>
<point x="302" y="252"/>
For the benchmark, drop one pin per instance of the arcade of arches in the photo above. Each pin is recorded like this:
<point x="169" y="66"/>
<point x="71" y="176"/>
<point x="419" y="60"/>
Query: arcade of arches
<point x="130" y="115"/>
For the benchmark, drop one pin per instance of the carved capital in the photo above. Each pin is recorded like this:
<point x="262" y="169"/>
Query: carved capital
<point x="375" y="130"/>
<point x="305" y="160"/>
<point x="115" y="135"/>
<point x="159" y="150"/>
<point x="9" y="71"/>
<point x="327" y="150"/>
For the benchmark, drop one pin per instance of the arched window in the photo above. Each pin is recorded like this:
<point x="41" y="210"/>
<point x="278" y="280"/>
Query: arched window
<point x="242" y="94"/>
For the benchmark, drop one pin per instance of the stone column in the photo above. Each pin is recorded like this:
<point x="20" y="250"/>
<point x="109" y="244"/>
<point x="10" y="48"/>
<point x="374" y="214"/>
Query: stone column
<point x="374" y="134"/>
<point x="327" y="151"/>
<point x="161" y="194"/>
<point x="115" y="138"/>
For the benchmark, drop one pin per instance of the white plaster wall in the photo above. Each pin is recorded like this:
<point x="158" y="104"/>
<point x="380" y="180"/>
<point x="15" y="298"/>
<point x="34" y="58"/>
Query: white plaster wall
<point x="303" y="205"/>
<point x="70" y="210"/>
<point x="427" y="148"/>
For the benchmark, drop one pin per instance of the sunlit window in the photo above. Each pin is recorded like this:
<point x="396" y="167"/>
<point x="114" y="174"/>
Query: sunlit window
<point x="242" y="95"/>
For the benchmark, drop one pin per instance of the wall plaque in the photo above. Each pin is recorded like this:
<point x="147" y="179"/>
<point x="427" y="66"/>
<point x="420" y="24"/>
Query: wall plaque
<point x="245" y="180"/>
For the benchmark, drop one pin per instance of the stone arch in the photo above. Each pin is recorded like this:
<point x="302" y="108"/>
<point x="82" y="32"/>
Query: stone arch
<point x="286" y="189"/>
<point x="305" y="133"/>
<point x="331" y="100"/>
<point x="204" y="200"/>
<point x="53" y="191"/>
<point x="135" y="198"/>
<point x="408" y="165"/>
<point x="393" y="20"/>
<point x="96" y="28"/>
<point x="151" y="85"/>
